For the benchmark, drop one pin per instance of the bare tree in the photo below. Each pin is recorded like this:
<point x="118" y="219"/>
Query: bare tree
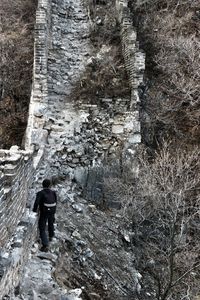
<point x="169" y="33"/>
<point x="163" y="208"/>
<point x="16" y="57"/>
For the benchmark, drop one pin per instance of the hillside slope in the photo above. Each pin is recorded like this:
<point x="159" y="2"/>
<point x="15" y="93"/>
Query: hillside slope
<point x="169" y="33"/>
<point x="16" y="43"/>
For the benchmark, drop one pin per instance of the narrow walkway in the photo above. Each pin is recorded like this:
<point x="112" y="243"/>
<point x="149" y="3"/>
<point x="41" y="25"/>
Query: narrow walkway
<point x="69" y="50"/>
<point x="87" y="260"/>
<point x="88" y="255"/>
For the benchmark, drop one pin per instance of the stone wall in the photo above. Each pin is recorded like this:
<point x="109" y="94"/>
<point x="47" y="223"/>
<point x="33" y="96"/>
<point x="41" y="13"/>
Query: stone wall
<point x="16" y="171"/>
<point x="111" y="132"/>
<point x="70" y="139"/>
<point x="61" y="51"/>
<point x="89" y="136"/>
<point x="16" y="253"/>
<point x="35" y="132"/>
<point x="16" y="223"/>
<point x="135" y="65"/>
<point x="18" y="168"/>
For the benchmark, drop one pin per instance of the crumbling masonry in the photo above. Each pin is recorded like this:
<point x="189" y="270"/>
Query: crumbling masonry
<point x="59" y="137"/>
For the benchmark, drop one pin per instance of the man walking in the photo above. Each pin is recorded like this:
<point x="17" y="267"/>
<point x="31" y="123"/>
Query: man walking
<point x="46" y="201"/>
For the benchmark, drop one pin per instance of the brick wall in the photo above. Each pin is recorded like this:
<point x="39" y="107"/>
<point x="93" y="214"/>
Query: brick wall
<point x="135" y="65"/>
<point x="17" y="170"/>
<point x="14" y="256"/>
<point x="39" y="93"/>
<point x="94" y="126"/>
<point x="16" y="175"/>
<point x="16" y="166"/>
<point x="109" y="134"/>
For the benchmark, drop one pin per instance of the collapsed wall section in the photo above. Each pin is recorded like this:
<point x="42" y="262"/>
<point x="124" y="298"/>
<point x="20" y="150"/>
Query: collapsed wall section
<point x="116" y="121"/>
<point x="75" y="138"/>
<point x="79" y="137"/>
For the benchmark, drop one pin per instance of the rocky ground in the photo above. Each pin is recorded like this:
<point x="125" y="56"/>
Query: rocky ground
<point x="90" y="257"/>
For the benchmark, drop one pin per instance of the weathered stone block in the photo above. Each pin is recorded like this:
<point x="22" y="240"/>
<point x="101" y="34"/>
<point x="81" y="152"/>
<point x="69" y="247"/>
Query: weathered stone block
<point x="117" y="129"/>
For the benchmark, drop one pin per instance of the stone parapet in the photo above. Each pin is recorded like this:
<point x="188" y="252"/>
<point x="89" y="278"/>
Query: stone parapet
<point x="133" y="56"/>
<point x="135" y="65"/>
<point x="16" y="171"/>
<point x="17" y="168"/>
<point x="16" y="253"/>
<point x="75" y="139"/>
<point x="16" y="176"/>
<point x="34" y="131"/>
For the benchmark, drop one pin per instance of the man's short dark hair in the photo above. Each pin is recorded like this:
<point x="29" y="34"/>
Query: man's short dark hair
<point x="46" y="183"/>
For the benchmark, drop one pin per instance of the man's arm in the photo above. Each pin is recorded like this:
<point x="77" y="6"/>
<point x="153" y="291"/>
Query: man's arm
<point x="55" y="197"/>
<point x="37" y="202"/>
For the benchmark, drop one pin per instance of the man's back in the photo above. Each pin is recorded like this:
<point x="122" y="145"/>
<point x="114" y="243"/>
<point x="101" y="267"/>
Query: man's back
<point x="46" y="200"/>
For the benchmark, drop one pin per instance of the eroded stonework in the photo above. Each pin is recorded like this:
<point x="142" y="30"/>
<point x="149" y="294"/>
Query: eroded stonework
<point x="61" y="139"/>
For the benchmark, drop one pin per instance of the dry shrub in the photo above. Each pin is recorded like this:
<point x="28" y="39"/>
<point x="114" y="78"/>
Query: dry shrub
<point x="169" y="33"/>
<point x="103" y="24"/>
<point x="105" y="74"/>
<point x="163" y="207"/>
<point x="16" y="38"/>
<point x="16" y="43"/>
<point x="12" y="124"/>
<point x="103" y="77"/>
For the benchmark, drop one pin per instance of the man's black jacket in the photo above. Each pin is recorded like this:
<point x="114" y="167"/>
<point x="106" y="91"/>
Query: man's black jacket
<point x="46" y="200"/>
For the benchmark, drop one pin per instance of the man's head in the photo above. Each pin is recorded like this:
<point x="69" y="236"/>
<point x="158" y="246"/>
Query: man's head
<point x="46" y="183"/>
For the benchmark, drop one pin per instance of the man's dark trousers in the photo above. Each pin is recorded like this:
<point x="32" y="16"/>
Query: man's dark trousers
<point x="43" y="219"/>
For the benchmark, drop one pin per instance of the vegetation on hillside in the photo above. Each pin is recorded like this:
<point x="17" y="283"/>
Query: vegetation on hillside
<point x="169" y="33"/>
<point x="163" y="202"/>
<point x="105" y="74"/>
<point x="160" y="207"/>
<point x="16" y="43"/>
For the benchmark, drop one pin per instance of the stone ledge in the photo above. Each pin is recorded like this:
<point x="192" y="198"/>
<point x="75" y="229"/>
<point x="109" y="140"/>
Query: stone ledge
<point x="16" y="253"/>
